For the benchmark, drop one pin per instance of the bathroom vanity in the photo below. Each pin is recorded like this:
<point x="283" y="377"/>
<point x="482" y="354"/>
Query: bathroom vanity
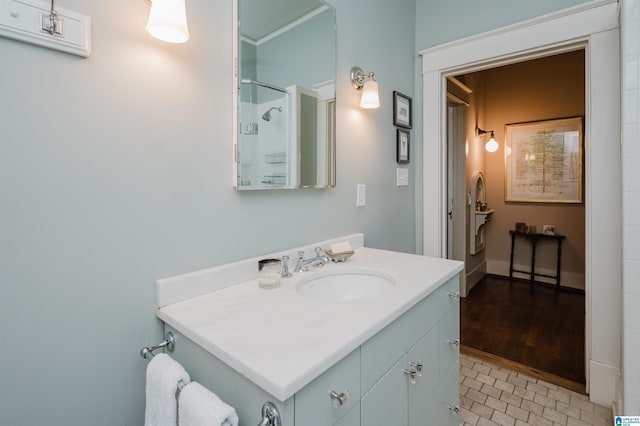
<point x="387" y="356"/>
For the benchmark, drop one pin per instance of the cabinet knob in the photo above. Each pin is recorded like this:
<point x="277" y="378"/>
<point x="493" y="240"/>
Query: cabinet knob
<point x="412" y="375"/>
<point x="338" y="398"/>
<point x="454" y="294"/>
<point x="454" y="343"/>
<point x="454" y="410"/>
<point x="418" y="366"/>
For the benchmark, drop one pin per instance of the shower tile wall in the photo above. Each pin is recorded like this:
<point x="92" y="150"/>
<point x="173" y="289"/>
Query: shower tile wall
<point x="630" y="18"/>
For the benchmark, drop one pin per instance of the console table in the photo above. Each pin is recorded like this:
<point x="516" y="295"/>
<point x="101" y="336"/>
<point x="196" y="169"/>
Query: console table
<point x="534" y="238"/>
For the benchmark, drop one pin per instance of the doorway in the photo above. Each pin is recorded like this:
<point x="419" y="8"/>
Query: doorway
<point x="594" y="27"/>
<point x="533" y="325"/>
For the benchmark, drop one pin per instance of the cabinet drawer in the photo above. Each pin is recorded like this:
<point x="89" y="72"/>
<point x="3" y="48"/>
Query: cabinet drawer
<point x="450" y="293"/>
<point x="393" y="341"/>
<point x="449" y="344"/>
<point x="314" y="405"/>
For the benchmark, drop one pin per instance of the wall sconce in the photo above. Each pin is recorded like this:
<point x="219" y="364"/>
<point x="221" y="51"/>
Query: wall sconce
<point x="168" y="20"/>
<point x="369" y="86"/>
<point x="492" y="145"/>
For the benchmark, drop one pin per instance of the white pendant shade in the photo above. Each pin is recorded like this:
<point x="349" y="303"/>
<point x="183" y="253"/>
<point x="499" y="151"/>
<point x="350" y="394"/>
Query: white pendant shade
<point x="370" y="98"/>
<point x="168" y="21"/>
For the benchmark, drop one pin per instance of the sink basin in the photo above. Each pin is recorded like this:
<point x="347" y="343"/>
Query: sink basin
<point x="344" y="285"/>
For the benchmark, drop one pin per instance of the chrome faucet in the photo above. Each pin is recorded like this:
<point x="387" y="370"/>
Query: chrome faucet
<point x="320" y="259"/>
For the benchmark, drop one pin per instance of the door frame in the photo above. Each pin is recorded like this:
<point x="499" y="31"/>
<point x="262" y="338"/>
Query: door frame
<point x="594" y="27"/>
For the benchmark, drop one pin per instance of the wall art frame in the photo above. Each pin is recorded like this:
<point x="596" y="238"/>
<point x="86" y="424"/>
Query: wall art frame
<point x="544" y="161"/>
<point x="402" y="110"/>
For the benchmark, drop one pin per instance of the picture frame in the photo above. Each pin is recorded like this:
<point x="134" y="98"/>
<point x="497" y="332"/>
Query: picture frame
<point x="402" y="110"/>
<point x="549" y="229"/>
<point x="521" y="227"/>
<point x="403" y="139"/>
<point x="543" y="161"/>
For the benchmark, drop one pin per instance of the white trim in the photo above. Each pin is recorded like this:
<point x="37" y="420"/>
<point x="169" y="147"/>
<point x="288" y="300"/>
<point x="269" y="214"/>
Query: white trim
<point x="594" y="27"/>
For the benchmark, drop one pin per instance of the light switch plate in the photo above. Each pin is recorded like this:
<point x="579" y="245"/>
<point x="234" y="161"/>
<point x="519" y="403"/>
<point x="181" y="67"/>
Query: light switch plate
<point x="361" y="197"/>
<point x="23" y="20"/>
<point x="402" y="177"/>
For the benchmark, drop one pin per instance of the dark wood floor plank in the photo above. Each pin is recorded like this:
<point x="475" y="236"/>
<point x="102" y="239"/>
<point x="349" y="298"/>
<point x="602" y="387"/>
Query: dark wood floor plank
<point x="538" y="326"/>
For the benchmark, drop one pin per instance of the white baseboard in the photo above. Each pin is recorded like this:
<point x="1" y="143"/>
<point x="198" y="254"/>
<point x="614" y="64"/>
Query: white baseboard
<point x="474" y="276"/>
<point x="603" y="383"/>
<point x="567" y="279"/>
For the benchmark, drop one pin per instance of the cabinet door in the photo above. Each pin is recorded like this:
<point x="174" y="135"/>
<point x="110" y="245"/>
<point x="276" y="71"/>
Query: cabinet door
<point x="424" y="400"/>
<point x="386" y="403"/>
<point x="314" y="405"/>
<point x="352" y="418"/>
<point x="449" y="398"/>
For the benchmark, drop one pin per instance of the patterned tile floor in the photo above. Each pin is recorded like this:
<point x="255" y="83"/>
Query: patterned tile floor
<point x="492" y="395"/>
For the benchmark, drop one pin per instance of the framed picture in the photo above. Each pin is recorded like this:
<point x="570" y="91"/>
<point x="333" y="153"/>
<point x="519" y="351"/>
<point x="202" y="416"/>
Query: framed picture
<point x="402" y="110"/>
<point x="549" y="229"/>
<point x="402" y="146"/>
<point x="521" y="227"/>
<point x="543" y="161"/>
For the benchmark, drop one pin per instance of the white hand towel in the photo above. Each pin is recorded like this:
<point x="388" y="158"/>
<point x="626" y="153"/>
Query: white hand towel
<point x="200" y="407"/>
<point x="163" y="375"/>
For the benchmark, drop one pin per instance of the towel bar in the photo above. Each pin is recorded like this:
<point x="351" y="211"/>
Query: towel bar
<point x="169" y="342"/>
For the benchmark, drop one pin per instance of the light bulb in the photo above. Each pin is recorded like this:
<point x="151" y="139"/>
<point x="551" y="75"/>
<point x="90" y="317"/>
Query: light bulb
<point x="491" y="146"/>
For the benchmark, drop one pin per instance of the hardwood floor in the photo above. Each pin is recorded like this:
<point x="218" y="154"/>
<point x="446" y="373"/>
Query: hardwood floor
<point x="535" y="326"/>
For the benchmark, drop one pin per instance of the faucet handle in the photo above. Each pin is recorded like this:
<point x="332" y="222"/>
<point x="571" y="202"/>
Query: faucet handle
<point x="318" y="251"/>
<point x="285" y="267"/>
<point x="301" y="254"/>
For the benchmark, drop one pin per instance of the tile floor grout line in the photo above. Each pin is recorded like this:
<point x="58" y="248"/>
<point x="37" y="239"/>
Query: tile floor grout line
<point x="494" y="395"/>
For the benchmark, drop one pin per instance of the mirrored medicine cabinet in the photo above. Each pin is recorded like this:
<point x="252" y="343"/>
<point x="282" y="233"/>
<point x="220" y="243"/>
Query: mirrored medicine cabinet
<point x="285" y="105"/>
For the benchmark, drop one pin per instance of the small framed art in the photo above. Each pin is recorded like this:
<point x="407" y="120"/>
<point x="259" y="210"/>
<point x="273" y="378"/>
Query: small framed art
<point x="402" y="110"/>
<point x="402" y="146"/>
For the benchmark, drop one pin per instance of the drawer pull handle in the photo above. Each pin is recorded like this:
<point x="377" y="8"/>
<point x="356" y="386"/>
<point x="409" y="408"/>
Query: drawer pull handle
<point x="454" y="410"/>
<point x="339" y="398"/>
<point x="412" y="375"/>
<point x="454" y="343"/>
<point x="454" y="294"/>
<point x="418" y="366"/>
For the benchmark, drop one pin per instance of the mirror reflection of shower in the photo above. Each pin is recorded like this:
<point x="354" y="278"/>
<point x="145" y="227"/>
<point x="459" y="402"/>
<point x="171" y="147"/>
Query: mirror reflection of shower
<point x="267" y="115"/>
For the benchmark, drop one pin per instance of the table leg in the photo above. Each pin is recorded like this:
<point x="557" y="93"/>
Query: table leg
<point x="559" y="262"/>
<point x="533" y="259"/>
<point x="513" y="241"/>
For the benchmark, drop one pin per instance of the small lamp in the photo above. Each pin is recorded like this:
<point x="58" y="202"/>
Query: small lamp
<point x="492" y="145"/>
<point x="370" y="98"/>
<point x="168" y="21"/>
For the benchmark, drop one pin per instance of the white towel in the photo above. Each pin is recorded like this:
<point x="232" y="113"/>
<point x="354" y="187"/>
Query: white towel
<point x="201" y="407"/>
<point x="163" y="375"/>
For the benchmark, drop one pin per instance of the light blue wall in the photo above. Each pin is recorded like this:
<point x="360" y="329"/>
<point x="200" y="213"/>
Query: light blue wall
<point x="440" y="21"/>
<point x="116" y="171"/>
<point x="304" y="55"/>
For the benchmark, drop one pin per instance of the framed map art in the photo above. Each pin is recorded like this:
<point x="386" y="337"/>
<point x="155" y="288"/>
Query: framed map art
<point x="543" y="161"/>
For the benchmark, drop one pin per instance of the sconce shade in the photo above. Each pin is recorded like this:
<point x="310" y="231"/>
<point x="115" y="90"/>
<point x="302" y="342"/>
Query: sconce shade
<point x="168" y="21"/>
<point x="492" y="145"/>
<point x="370" y="98"/>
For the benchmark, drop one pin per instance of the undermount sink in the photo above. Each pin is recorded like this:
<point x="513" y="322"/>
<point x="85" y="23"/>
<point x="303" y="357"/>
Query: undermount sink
<point x="344" y="285"/>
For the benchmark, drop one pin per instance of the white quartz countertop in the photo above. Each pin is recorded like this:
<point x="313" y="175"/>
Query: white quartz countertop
<point x="282" y="340"/>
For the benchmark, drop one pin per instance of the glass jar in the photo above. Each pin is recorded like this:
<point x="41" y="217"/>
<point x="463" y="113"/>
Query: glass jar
<point x="269" y="271"/>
